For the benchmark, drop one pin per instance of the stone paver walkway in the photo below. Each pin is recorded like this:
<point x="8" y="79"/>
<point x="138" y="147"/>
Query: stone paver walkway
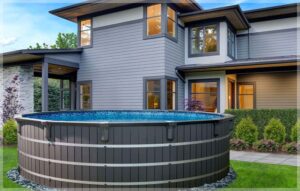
<point x="282" y="159"/>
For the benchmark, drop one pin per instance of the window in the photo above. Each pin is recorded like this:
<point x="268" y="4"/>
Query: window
<point x="85" y="95"/>
<point x="231" y="43"/>
<point x="171" y="29"/>
<point x="246" y="95"/>
<point x="161" y="20"/>
<point x="153" y="94"/>
<point x="65" y="92"/>
<point x="85" y="32"/>
<point x="205" y="91"/>
<point x="171" y="94"/>
<point x="154" y="20"/>
<point x="204" y="40"/>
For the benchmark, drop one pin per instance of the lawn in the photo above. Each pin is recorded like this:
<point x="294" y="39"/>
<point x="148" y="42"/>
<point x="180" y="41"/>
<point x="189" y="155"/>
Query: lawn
<point x="250" y="175"/>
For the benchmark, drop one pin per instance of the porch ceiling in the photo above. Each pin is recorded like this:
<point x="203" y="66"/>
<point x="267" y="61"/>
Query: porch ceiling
<point x="54" y="69"/>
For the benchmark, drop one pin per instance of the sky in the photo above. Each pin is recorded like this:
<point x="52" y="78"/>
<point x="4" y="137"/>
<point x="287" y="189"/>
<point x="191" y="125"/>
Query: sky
<point x="24" y="23"/>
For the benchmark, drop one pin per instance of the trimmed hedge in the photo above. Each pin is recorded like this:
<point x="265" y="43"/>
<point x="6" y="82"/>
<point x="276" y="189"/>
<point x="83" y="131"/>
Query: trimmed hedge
<point x="261" y="118"/>
<point x="10" y="132"/>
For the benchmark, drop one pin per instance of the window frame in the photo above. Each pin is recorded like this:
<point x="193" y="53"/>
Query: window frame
<point x="203" y="81"/>
<point x="238" y="93"/>
<point x="78" y="93"/>
<point x="79" y="33"/>
<point x="64" y="89"/>
<point x="232" y="56"/>
<point x="164" y="22"/>
<point x="203" y="25"/>
<point x="163" y="92"/>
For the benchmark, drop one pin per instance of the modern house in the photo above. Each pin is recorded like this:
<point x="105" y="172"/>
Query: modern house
<point x="156" y="56"/>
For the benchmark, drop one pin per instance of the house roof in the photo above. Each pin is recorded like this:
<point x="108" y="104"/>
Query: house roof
<point x="232" y="14"/>
<point x="89" y="7"/>
<point x="246" y="63"/>
<point x="282" y="11"/>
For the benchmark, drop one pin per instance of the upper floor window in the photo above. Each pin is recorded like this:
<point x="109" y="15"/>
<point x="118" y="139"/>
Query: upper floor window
<point x="85" y="32"/>
<point x="231" y="43"/>
<point x="204" y="40"/>
<point x="160" y="20"/>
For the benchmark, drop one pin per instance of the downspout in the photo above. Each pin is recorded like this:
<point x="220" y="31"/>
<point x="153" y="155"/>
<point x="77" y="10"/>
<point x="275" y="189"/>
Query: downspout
<point x="179" y="76"/>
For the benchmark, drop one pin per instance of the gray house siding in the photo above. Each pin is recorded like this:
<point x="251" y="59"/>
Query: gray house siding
<point x="267" y="44"/>
<point x="117" y="63"/>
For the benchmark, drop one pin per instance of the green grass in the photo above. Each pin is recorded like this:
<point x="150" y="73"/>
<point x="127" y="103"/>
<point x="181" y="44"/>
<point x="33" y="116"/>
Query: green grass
<point x="257" y="175"/>
<point x="249" y="175"/>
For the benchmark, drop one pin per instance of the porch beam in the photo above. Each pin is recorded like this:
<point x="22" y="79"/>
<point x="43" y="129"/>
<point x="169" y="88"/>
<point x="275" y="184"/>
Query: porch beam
<point x="45" y="68"/>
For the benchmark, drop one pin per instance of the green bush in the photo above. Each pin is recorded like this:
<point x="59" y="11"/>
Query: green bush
<point x="275" y="131"/>
<point x="247" y="131"/>
<point x="266" y="146"/>
<point x="291" y="148"/>
<point x="261" y="118"/>
<point x="10" y="132"/>
<point x="238" y="145"/>
<point x="295" y="133"/>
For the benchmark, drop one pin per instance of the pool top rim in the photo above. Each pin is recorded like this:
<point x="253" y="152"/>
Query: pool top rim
<point x="25" y="117"/>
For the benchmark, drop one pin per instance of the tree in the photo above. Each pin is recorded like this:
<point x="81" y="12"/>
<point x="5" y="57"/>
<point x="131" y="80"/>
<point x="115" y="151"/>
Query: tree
<point x="63" y="41"/>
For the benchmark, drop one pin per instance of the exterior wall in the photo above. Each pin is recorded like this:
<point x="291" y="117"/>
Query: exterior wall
<point x="273" y="90"/>
<point x="209" y="75"/>
<point x="25" y="88"/>
<point x="222" y="57"/>
<point x="268" y="39"/>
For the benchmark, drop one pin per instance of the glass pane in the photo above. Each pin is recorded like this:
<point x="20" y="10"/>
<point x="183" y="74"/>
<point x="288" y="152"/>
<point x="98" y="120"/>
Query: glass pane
<point x="246" y="89"/>
<point x="171" y="28"/>
<point x="66" y="100"/>
<point x="154" y="10"/>
<point x="171" y="14"/>
<point x="198" y="33"/>
<point x="153" y="86"/>
<point x="171" y="86"/>
<point x="246" y="101"/>
<point x="153" y="100"/>
<point x="85" y="24"/>
<point x="210" y="39"/>
<point x="171" y="94"/>
<point x="154" y="26"/>
<point x="204" y="87"/>
<point x="85" y="97"/>
<point x="66" y="84"/>
<point x="210" y="101"/>
<point x="85" y="39"/>
<point x="197" y="46"/>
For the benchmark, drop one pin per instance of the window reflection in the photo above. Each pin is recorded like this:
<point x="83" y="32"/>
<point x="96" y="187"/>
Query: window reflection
<point x="154" y="20"/>
<point x="246" y="96"/>
<point x="153" y="94"/>
<point x="85" y="32"/>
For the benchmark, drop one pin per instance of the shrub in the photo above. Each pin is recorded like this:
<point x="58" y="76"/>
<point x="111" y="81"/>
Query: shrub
<point x="238" y="145"/>
<point x="275" y="131"/>
<point x="266" y="146"/>
<point x="261" y="118"/>
<point x="295" y="132"/>
<point x="10" y="132"/>
<point x="247" y="131"/>
<point x="291" y="148"/>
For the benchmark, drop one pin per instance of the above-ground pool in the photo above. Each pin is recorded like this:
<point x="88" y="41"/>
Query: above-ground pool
<point x="97" y="149"/>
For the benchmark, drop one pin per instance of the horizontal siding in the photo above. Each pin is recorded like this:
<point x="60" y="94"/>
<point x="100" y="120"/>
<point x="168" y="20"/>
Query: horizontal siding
<point x="273" y="43"/>
<point x="274" y="90"/>
<point x="71" y="57"/>
<point x="117" y="63"/>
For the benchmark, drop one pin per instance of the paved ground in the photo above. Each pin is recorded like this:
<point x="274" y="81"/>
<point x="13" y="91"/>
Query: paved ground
<point x="283" y="159"/>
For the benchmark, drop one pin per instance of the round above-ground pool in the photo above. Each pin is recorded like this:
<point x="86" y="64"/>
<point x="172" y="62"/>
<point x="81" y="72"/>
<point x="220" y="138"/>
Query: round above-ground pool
<point x="97" y="149"/>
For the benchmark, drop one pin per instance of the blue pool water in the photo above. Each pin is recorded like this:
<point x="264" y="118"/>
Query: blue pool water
<point x="124" y="116"/>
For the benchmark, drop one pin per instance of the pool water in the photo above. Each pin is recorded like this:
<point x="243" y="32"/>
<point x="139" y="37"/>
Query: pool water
<point x="124" y="116"/>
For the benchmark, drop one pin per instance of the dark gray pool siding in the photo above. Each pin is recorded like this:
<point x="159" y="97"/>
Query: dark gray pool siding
<point x="34" y="155"/>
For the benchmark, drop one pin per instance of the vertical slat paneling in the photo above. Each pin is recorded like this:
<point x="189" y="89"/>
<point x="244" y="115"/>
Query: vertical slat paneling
<point x="64" y="154"/>
<point x="78" y="155"/>
<point x="71" y="155"/>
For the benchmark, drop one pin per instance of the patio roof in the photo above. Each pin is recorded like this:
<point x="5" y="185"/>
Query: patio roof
<point x="242" y="64"/>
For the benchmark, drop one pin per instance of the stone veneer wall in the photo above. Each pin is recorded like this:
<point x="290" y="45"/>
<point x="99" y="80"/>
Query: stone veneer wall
<point x="25" y="88"/>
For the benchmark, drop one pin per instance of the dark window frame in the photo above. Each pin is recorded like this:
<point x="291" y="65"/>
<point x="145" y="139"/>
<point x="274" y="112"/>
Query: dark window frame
<point x="79" y="33"/>
<point x="203" y="25"/>
<point x="79" y="83"/>
<point x="163" y="91"/>
<point x="238" y="93"/>
<point x="203" y="81"/>
<point x="164" y="22"/>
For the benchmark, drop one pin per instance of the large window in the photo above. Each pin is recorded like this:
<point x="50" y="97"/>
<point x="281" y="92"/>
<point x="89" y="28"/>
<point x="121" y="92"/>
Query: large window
<point x="246" y="95"/>
<point x="85" y="95"/>
<point x="85" y="32"/>
<point x="205" y="91"/>
<point x="65" y="92"/>
<point x="161" y="20"/>
<point x="161" y="93"/>
<point x="231" y="43"/>
<point x="204" y="40"/>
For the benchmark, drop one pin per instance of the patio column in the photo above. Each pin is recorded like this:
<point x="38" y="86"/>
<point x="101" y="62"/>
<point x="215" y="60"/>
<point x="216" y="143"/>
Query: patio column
<point x="44" y="86"/>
